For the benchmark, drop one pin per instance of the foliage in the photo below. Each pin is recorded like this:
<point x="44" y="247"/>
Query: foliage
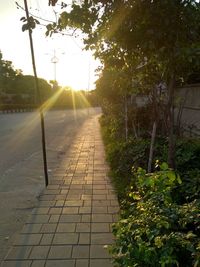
<point x="122" y="155"/>
<point x="187" y="165"/>
<point x="29" y="24"/>
<point x="154" y="230"/>
<point x="17" y="107"/>
<point x="187" y="154"/>
<point x="141" y="44"/>
<point x="7" y="74"/>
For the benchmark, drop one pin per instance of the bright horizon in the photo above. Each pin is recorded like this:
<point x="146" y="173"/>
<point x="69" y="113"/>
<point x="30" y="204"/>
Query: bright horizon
<point x="75" y="67"/>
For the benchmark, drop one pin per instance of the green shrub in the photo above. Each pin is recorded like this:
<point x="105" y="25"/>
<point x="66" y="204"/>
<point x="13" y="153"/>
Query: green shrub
<point x="187" y="154"/>
<point x="122" y="156"/>
<point x="154" y="230"/>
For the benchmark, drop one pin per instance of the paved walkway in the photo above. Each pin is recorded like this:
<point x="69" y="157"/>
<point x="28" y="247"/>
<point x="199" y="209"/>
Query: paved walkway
<point x="72" y="223"/>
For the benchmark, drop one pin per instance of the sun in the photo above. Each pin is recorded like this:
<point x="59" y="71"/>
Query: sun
<point x="74" y="72"/>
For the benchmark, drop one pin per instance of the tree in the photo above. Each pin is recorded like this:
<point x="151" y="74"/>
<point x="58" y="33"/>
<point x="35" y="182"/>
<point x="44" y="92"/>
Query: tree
<point x="22" y="87"/>
<point x="8" y="75"/>
<point x="141" y="34"/>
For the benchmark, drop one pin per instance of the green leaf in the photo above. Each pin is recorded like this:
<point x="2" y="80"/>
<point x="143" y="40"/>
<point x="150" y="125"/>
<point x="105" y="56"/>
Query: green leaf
<point x="164" y="166"/>
<point x="178" y="179"/>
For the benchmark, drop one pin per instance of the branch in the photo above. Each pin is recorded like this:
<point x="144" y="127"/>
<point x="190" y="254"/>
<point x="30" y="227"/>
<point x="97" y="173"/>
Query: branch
<point x="46" y="20"/>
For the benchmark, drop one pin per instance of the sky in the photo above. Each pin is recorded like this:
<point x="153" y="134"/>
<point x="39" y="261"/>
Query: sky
<point x="75" y="67"/>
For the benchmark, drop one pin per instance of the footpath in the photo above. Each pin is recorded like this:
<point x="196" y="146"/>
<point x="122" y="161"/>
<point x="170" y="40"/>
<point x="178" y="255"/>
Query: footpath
<point x="72" y="224"/>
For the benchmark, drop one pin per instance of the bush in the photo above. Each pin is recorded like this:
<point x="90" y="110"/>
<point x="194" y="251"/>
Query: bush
<point x="187" y="155"/>
<point x="154" y="230"/>
<point x="122" y="156"/>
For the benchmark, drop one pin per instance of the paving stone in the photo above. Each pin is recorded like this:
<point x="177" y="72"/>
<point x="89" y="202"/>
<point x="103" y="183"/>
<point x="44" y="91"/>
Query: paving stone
<point x="103" y="186"/>
<point x="115" y="217"/>
<point x="27" y="239"/>
<point x="39" y="252"/>
<point x="19" y="253"/>
<point x="113" y="209"/>
<point x="60" y="252"/>
<point x="100" y="203"/>
<point x="56" y="182"/>
<point x="83" y="227"/>
<point x="100" y="191"/>
<point x="52" y="192"/>
<point x="86" y="197"/>
<point x="46" y="239"/>
<point x="59" y="203"/>
<point x="86" y="186"/>
<point x="47" y="197"/>
<point x="87" y="203"/>
<point x="80" y="252"/>
<point x="70" y="210"/>
<point x="99" y="197"/>
<point x="17" y="263"/>
<point x="76" y="186"/>
<point x="54" y="218"/>
<point x="74" y="203"/>
<point x="83" y="210"/>
<point x="84" y="239"/>
<point x="86" y="218"/>
<point x="70" y="218"/>
<point x="102" y="218"/>
<point x="60" y="263"/>
<point x="99" y="209"/>
<point x="65" y="239"/>
<point x="38" y="263"/>
<point x="48" y="228"/>
<point x="73" y="197"/>
<point x="60" y="197"/>
<point x="111" y="197"/>
<point x="34" y="218"/>
<point x="99" y="252"/>
<point x="100" y="227"/>
<point x="100" y="263"/>
<point x="55" y="211"/>
<point x="40" y="210"/>
<point x="50" y="186"/>
<point x="82" y="263"/>
<point x="88" y="191"/>
<point x="31" y="228"/>
<point x="102" y="238"/>
<point x="114" y="203"/>
<point x="66" y="227"/>
<point x="64" y="191"/>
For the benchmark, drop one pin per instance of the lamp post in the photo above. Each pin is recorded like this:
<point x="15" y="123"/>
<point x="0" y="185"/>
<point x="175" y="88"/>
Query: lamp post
<point x="54" y="60"/>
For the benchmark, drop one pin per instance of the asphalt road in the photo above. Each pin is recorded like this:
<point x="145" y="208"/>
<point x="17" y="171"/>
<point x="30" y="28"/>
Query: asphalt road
<point x="21" y="164"/>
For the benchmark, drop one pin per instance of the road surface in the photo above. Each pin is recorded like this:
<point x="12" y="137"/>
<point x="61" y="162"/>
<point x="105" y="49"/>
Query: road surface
<point x="21" y="164"/>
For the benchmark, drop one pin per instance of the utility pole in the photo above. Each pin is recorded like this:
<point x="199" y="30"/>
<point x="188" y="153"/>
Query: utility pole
<point x="39" y="96"/>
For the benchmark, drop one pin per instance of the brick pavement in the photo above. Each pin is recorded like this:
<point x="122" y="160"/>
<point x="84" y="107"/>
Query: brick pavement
<point x="72" y="222"/>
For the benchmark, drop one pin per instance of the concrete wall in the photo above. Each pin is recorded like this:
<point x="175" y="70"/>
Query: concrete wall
<point x="189" y="97"/>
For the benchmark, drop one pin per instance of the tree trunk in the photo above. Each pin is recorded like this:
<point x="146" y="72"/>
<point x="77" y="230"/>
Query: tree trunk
<point x="153" y="137"/>
<point x="171" y="136"/>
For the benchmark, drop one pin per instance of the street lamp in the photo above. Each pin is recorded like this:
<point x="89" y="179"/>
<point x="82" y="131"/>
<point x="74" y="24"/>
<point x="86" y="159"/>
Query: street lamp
<point x="54" y="60"/>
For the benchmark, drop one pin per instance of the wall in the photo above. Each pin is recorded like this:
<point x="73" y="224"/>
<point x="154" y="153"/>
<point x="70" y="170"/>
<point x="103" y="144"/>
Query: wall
<point x="189" y="98"/>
